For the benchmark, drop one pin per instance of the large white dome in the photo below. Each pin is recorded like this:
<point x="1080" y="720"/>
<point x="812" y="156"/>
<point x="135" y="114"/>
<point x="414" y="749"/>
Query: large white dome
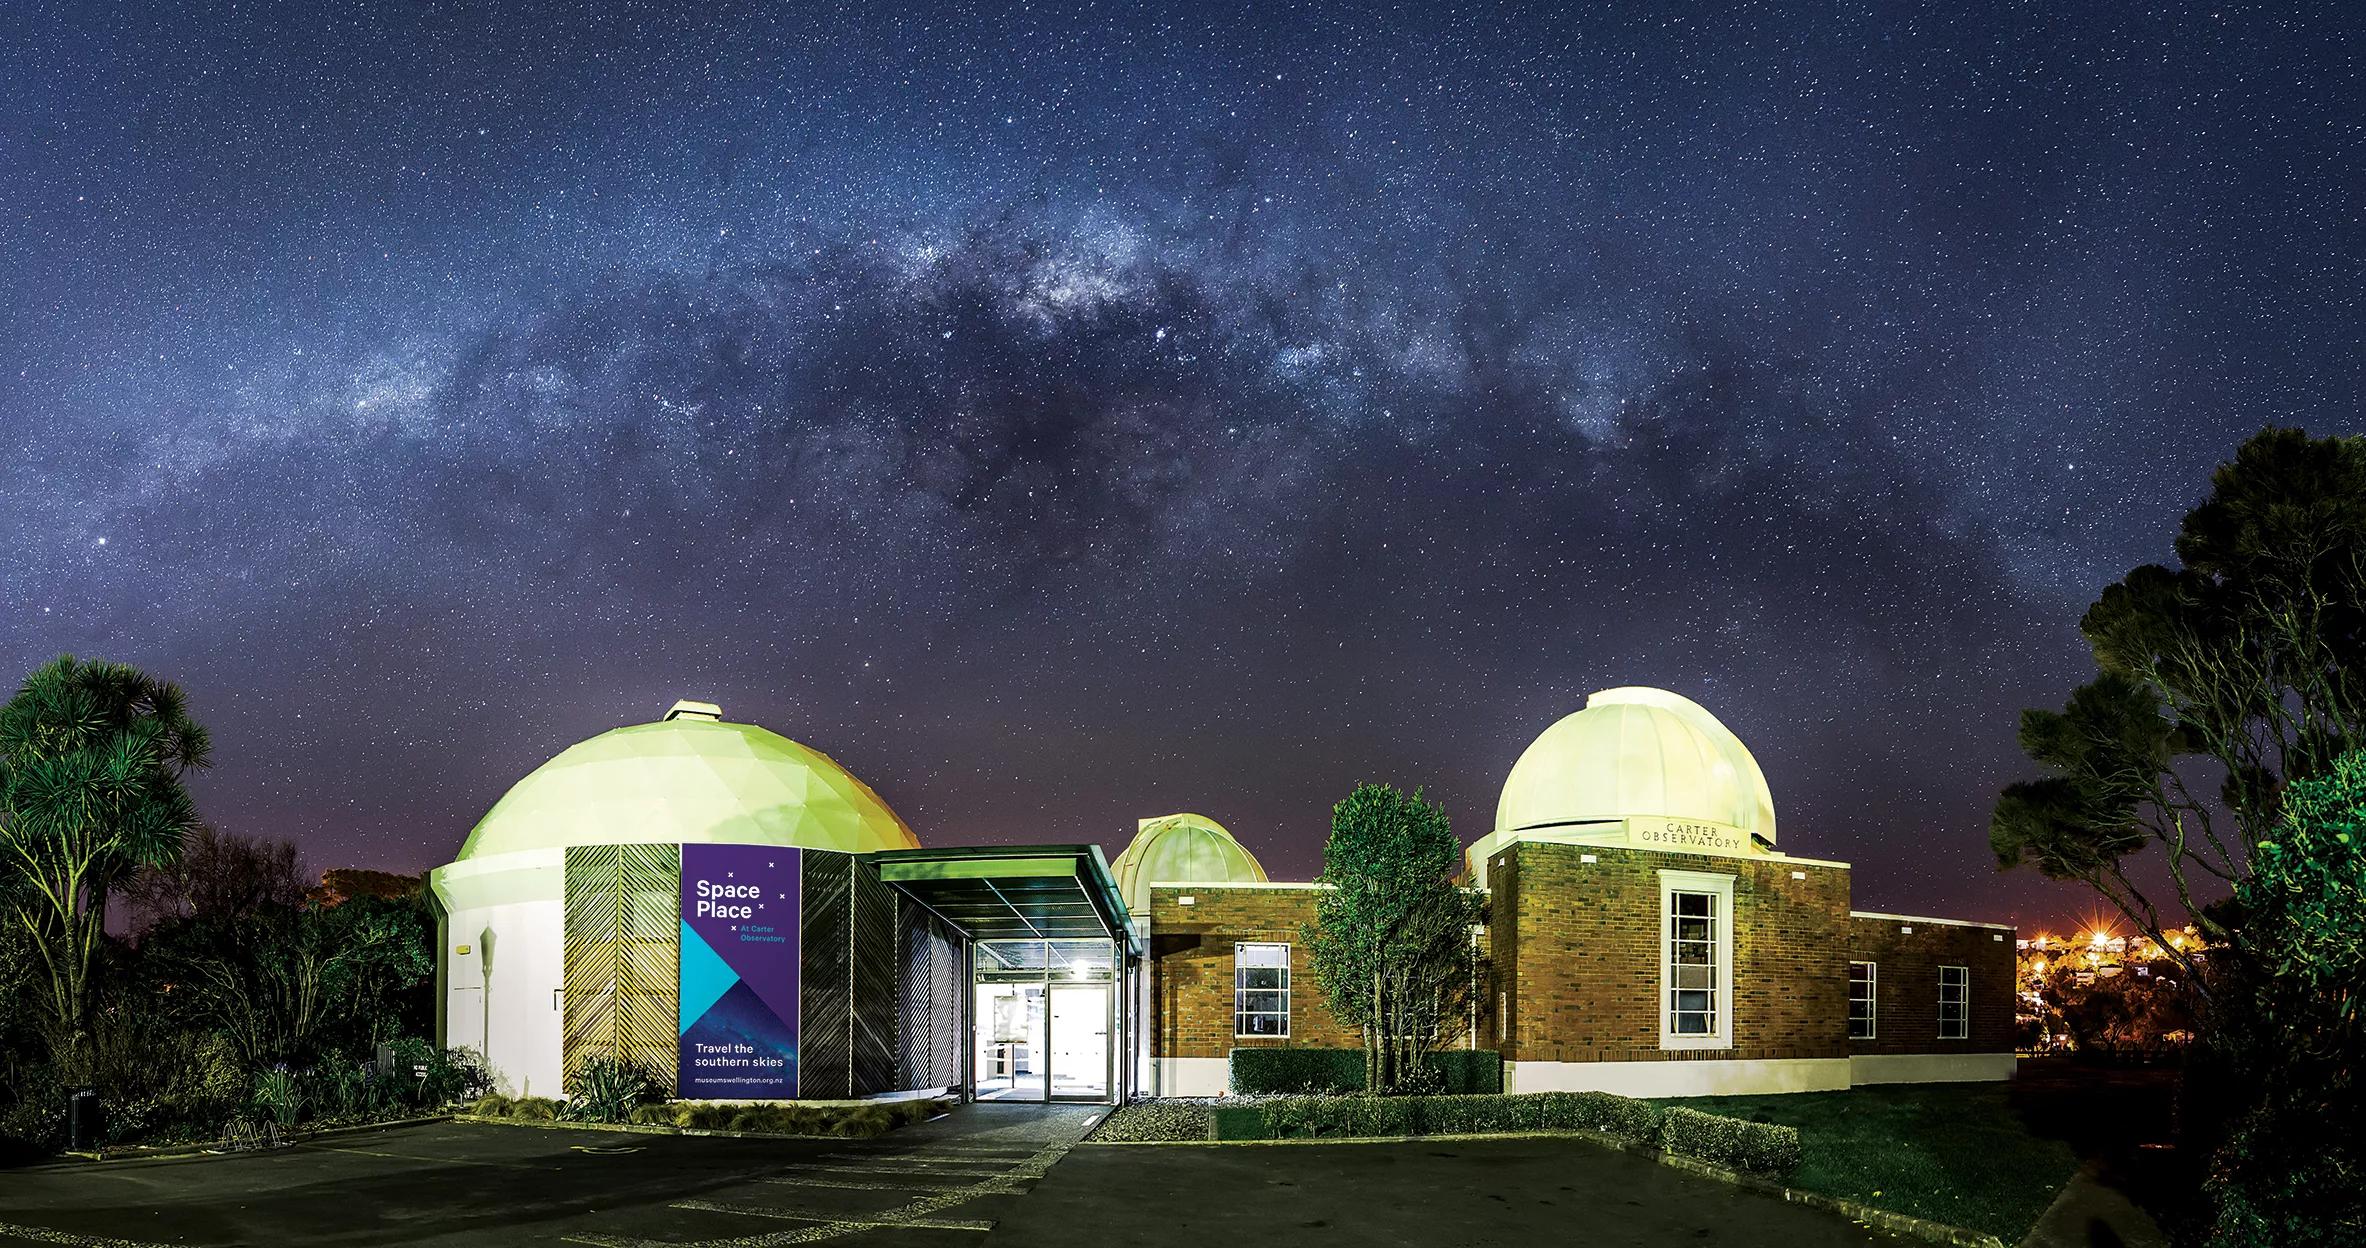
<point x="1636" y="752"/>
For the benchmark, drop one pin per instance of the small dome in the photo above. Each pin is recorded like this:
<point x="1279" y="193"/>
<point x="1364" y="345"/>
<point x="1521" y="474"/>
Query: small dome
<point x="1180" y="849"/>
<point x="689" y="779"/>
<point x="1637" y="752"/>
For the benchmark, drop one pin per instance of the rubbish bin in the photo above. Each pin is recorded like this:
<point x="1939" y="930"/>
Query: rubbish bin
<point x="82" y="1119"/>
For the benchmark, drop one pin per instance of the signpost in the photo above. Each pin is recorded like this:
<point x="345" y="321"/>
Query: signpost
<point x="738" y="1015"/>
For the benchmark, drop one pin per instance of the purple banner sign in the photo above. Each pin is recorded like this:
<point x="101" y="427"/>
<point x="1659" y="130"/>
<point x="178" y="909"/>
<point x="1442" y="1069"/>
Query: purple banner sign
<point x="739" y="972"/>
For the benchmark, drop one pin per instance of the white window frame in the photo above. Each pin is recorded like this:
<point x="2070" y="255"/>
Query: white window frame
<point x="1720" y="890"/>
<point x="1240" y="992"/>
<point x="1872" y="1000"/>
<point x="1963" y="1002"/>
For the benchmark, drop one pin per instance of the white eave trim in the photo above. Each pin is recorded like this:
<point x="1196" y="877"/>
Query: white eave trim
<point x="1924" y="918"/>
<point x="1203" y="886"/>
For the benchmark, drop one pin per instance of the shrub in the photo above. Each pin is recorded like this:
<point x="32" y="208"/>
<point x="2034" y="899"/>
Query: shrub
<point x="1157" y="1120"/>
<point x="702" y="1116"/>
<point x="534" y="1109"/>
<point x="608" y="1089"/>
<point x="1620" y="1116"/>
<point x="1297" y="1071"/>
<point x="653" y="1114"/>
<point x="1467" y="1072"/>
<point x="1753" y="1147"/>
<point x="1477" y="1115"/>
<point x="492" y="1105"/>
<point x="280" y="1095"/>
<point x="1303" y="1072"/>
<point x="1351" y="1116"/>
<point x="1760" y="1148"/>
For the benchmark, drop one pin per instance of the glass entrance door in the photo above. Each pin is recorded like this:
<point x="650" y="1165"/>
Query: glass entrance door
<point x="1045" y="1014"/>
<point x="1079" y="1042"/>
<point x="1010" y="1043"/>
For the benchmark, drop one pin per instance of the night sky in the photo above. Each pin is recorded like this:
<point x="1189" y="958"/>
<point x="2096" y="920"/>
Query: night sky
<point x="1062" y="419"/>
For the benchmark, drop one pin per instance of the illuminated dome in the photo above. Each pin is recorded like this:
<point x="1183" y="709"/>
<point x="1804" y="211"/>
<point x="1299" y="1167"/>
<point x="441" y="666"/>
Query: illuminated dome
<point x="690" y="778"/>
<point x="1180" y="849"/>
<point x="1636" y="752"/>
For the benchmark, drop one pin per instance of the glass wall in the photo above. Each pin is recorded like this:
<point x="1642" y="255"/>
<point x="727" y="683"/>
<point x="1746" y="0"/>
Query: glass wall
<point x="1046" y="1011"/>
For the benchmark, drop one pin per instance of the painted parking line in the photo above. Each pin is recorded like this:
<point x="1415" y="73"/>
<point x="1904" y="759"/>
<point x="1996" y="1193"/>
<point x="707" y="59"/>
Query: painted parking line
<point x="916" y="1183"/>
<point x="919" y="1210"/>
<point x="865" y="1224"/>
<point x="885" y="1146"/>
<point x="941" y="1159"/>
<point x="899" y="1167"/>
<point x="43" y="1235"/>
<point x="428" y="1161"/>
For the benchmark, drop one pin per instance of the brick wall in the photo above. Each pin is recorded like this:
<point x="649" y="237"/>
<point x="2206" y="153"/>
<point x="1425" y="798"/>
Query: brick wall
<point x="1906" y="986"/>
<point x="1577" y="954"/>
<point x="1191" y="968"/>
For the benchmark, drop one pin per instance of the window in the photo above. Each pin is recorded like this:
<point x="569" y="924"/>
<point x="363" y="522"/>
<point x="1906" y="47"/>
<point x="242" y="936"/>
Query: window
<point x="1696" y="970"/>
<point x="1861" y="976"/>
<point x="1955" y="1002"/>
<point x="1261" y="990"/>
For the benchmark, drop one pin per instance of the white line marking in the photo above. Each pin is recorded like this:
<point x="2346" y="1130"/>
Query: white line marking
<point x="892" y="1167"/>
<point x="43" y="1235"/>
<point x="755" y="1211"/>
<point x="925" y="1183"/>
<point x="912" y="1212"/>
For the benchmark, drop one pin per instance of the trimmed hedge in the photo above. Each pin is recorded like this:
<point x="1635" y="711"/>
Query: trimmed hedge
<point x="1754" y="1147"/>
<point x="844" y="1121"/>
<point x="1295" y="1072"/>
<point x="1300" y="1072"/>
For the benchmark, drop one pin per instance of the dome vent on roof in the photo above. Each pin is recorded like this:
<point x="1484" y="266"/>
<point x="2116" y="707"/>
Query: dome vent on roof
<point x="1180" y="849"/>
<point x="1637" y="752"/>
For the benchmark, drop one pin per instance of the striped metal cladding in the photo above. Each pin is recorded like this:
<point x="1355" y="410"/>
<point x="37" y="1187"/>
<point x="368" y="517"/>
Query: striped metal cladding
<point x="932" y="987"/>
<point x="825" y="1034"/>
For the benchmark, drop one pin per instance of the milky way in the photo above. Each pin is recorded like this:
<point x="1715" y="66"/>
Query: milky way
<point x="1064" y="420"/>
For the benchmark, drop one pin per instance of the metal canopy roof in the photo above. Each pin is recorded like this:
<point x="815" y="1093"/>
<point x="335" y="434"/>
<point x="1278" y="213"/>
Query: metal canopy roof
<point x="1024" y="892"/>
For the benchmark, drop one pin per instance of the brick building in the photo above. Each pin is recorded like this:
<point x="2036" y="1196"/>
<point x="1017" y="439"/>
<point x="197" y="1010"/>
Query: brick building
<point x="1644" y="935"/>
<point x="739" y="915"/>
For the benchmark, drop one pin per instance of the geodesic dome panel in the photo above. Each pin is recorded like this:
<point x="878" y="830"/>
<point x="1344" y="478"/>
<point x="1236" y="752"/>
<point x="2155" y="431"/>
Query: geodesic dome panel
<point x="688" y="781"/>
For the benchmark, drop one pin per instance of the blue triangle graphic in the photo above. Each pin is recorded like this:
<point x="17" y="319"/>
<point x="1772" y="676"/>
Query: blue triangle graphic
<point x="705" y="978"/>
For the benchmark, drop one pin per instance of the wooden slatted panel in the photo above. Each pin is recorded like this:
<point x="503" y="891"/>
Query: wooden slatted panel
<point x="649" y="983"/>
<point x="622" y="956"/>
<point x="590" y="952"/>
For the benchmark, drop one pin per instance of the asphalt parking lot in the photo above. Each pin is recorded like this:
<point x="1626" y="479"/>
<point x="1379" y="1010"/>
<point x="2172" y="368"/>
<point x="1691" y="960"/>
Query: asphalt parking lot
<point x="987" y="1176"/>
<point x="456" y="1184"/>
<point x="1510" y="1193"/>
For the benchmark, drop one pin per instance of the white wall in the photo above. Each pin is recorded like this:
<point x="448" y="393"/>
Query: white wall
<point x="1719" y="1077"/>
<point x="1189" y="1076"/>
<point x="501" y="997"/>
<point x="1930" y="1067"/>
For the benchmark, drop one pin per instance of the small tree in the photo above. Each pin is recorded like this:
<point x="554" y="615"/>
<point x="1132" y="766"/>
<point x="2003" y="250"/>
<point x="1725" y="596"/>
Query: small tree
<point x="91" y="760"/>
<point x="1392" y="934"/>
<point x="283" y="983"/>
<point x="2290" y="1019"/>
<point x="216" y="875"/>
<point x="2244" y="668"/>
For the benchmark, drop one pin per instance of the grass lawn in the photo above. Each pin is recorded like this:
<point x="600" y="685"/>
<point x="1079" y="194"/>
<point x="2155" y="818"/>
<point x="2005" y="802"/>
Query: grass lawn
<point x="1958" y="1153"/>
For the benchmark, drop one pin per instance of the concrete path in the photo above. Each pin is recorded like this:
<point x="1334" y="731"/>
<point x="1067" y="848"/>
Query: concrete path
<point x="1420" y="1194"/>
<point x="2091" y="1214"/>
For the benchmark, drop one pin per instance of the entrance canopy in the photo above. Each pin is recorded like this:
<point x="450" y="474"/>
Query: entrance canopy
<point x="1025" y="892"/>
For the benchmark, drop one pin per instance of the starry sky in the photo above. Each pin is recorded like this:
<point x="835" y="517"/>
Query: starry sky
<point x="1067" y="414"/>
